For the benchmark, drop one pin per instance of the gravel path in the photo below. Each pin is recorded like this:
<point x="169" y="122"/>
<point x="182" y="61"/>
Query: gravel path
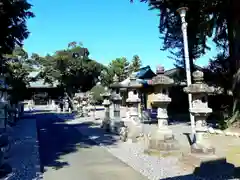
<point x="132" y="154"/>
<point x="67" y="154"/>
<point x="153" y="167"/>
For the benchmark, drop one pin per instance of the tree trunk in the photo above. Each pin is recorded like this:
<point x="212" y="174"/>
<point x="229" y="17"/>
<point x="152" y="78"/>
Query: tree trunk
<point x="234" y="52"/>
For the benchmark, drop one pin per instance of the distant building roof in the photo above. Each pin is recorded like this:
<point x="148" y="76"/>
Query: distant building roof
<point x="142" y="75"/>
<point x="145" y="73"/>
<point x="39" y="83"/>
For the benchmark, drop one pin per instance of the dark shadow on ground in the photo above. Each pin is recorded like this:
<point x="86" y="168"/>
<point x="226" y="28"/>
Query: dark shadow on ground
<point x="211" y="170"/>
<point x="150" y="117"/>
<point x="30" y="114"/>
<point x="56" y="138"/>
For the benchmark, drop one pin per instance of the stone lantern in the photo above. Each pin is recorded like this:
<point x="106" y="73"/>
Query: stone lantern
<point x="162" y="138"/>
<point x="200" y="111"/>
<point x="116" y="98"/>
<point x="92" y="105"/>
<point x="78" y="104"/>
<point x="133" y="121"/>
<point x="133" y="99"/>
<point x="106" y="103"/>
<point x="84" y="106"/>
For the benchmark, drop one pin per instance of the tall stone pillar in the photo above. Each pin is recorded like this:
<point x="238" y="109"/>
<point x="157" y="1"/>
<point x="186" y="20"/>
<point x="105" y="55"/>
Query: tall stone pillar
<point x="116" y="98"/>
<point x="133" y="121"/>
<point x="106" y="103"/>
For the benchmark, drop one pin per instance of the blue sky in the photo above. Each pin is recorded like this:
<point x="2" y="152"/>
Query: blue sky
<point x="108" y="28"/>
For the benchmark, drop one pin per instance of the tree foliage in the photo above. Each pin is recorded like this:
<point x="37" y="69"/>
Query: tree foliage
<point x="13" y="17"/>
<point x="16" y="68"/>
<point x="69" y="69"/>
<point x="118" y="66"/>
<point x="218" y="19"/>
<point x="96" y="93"/>
<point x="135" y="64"/>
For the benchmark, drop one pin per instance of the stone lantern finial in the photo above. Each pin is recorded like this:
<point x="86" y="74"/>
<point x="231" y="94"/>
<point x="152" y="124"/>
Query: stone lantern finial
<point x="198" y="76"/>
<point x="115" y="78"/>
<point x="132" y="77"/>
<point x="106" y="89"/>
<point x="160" y="69"/>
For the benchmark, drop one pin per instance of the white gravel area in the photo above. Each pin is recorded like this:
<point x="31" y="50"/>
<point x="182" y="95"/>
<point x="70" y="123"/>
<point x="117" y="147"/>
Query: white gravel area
<point x="154" y="168"/>
<point x="133" y="154"/>
<point x="24" y="154"/>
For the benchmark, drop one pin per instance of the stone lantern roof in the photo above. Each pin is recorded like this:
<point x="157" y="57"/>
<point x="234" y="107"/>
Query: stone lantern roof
<point x="116" y="84"/>
<point x="133" y="83"/>
<point x="160" y="78"/>
<point x="198" y="86"/>
<point x="106" y="94"/>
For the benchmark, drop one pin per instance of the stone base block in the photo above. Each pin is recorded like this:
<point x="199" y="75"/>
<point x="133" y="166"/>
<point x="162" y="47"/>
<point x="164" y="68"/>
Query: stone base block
<point x="116" y="126"/>
<point x="162" y="140"/>
<point x="106" y="126"/>
<point x="201" y="149"/>
<point x="162" y="134"/>
<point x="163" y="145"/>
<point x="208" y="166"/>
<point x="134" y="132"/>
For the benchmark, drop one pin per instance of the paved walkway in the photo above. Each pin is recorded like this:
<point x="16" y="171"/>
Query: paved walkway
<point x="24" y="156"/>
<point x="66" y="154"/>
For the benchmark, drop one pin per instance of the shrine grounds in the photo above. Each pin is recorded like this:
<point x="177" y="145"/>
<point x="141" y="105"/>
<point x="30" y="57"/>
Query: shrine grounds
<point x="50" y="145"/>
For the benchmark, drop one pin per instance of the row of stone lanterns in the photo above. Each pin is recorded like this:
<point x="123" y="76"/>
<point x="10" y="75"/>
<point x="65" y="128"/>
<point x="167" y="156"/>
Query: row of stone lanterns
<point x="162" y="138"/>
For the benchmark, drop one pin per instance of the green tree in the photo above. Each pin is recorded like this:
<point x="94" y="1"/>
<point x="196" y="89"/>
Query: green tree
<point x="118" y="66"/>
<point x="218" y="19"/>
<point x="135" y="64"/>
<point x="96" y="93"/>
<point x="16" y="69"/>
<point x="13" y="17"/>
<point x="69" y="69"/>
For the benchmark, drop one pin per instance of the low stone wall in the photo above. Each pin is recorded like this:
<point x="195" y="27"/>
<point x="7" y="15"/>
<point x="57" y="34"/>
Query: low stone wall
<point x="220" y="132"/>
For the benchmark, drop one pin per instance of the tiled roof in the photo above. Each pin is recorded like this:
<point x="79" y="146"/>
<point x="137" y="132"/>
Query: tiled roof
<point x="40" y="83"/>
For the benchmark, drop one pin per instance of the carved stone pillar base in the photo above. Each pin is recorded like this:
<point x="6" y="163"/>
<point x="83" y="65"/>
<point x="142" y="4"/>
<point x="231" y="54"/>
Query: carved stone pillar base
<point x="201" y="144"/>
<point x="106" y="125"/>
<point x="162" y="140"/>
<point x="202" y="149"/>
<point x="134" y="131"/>
<point x="116" y="126"/>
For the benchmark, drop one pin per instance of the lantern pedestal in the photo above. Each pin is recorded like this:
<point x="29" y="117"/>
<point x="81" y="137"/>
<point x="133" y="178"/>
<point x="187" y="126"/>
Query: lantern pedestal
<point x="116" y="122"/>
<point x="201" y="145"/>
<point x="162" y="139"/>
<point x="106" y="123"/>
<point x="134" y="125"/>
